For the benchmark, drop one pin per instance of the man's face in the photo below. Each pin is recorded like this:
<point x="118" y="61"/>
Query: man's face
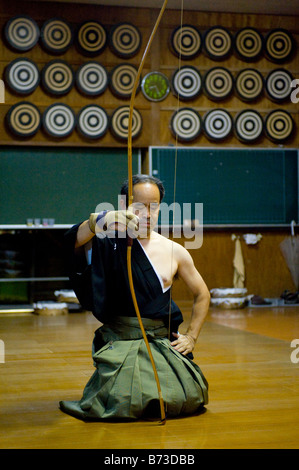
<point x="146" y="204"/>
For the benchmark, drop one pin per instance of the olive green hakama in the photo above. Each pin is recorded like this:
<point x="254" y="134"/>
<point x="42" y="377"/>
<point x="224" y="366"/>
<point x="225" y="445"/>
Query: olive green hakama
<point x="123" y="385"/>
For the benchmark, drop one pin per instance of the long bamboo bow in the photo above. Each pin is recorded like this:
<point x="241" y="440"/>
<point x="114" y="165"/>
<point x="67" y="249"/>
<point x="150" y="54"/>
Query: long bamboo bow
<point x="130" y="201"/>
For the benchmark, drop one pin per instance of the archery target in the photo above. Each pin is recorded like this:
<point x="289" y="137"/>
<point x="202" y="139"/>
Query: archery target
<point x="57" y="77"/>
<point x="92" y="121"/>
<point x="249" y="84"/>
<point x="56" y="35"/>
<point x="120" y="122"/>
<point x="248" y="44"/>
<point x="91" y="38"/>
<point x="279" y="45"/>
<point x="218" y="83"/>
<point x="186" y="82"/>
<point x="122" y="80"/>
<point x="186" y="41"/>
<point x="218" y="124"/>
<point x="248" y="125"/>
<point x="217" y="43"/>
<point x="21" y="33"/>
<point x="92" y="78"/>
<point x="125" y="40"/>
<point x="186" y="124"/>
<point x="279" y="84"/>
<point x="58" y="120"/>
<point x="279" y="125"/>
<point x="23" y="119"/>
<point x="22" y="76"/>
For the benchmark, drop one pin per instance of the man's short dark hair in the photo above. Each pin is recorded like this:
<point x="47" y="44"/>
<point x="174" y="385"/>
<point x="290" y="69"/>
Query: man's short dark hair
<point x="142" y="179"/>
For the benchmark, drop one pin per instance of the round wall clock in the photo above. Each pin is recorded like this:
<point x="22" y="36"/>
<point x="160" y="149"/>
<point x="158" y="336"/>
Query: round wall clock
<point x="155" y="86"/>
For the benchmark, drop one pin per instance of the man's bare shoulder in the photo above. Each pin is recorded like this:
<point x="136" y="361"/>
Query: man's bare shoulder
<point x="179" y="251"/>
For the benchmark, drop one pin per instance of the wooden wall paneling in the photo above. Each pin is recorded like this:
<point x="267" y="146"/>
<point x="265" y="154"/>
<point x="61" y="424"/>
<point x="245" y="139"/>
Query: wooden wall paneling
<point x="160" y="57"/>
<point x="266" y="272"/>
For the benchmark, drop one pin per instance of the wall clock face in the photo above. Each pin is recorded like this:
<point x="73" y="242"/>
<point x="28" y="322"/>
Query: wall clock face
<point x="155" y="86"/>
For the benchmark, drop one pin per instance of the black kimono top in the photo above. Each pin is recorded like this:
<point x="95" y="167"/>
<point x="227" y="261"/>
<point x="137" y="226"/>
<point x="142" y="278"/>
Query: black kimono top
<point x="103" y="286"/>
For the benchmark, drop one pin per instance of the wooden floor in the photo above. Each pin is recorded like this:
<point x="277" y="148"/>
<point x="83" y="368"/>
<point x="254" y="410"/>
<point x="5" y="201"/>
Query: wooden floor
<point x="244" y="354"/>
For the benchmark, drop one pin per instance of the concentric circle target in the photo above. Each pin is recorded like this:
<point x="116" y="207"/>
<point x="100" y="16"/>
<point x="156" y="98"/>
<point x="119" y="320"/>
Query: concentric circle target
<point x="92" y="121"/>
<point x="21" y="33"/>
<point x="56" y="35"/>
<point x="279" y="125"/>
<point x="186" y="124"/>
<point x="217" y="43"/>
<point x="57" y="77"/>
<point x="92" y="78"/>
<point x="91" y="38"/>
<point x="186" y="82"/>
<point x="23" y="119"/>
<point x="218" y="124"/>
<point x="278" y="84"/>
<point x="122" y="80"/>
<point x="218" y="83"/>
<point x="22" y="76"/>
<point x="119" y="122"/>
<point x="248" y="125"/>
<point x="125" y="40"/>
<point x="248" y="44"/>
<point x="186" y="41"/>
<point x="279" y="45"/>
<point x="58" y="120"/>
<point x="249" y="84"/>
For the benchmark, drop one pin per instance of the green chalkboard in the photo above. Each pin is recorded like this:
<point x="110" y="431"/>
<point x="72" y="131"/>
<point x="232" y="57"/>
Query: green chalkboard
<point x="235" y="186"/>
<point x="61" y="183"/>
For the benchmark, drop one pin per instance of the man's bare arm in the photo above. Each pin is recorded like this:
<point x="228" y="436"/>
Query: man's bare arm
<point x="201" y="295"/>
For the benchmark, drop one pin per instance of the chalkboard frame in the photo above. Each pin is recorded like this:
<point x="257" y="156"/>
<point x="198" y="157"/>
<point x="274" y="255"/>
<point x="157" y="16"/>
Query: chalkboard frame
<point x="185" y="180"/>
<point x="61" y="183"/>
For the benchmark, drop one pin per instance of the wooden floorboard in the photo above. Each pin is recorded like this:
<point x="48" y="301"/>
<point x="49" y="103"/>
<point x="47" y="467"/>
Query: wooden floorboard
<point x="244" y="354"/>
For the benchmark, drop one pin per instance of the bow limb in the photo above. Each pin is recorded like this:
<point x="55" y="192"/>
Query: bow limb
<point x="130" y="201"/>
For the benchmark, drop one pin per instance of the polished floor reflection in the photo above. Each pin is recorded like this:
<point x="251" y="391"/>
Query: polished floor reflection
<point x="245" y="355"/>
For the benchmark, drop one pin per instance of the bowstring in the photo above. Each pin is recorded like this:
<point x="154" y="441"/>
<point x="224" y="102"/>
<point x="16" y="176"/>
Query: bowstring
<point x="174" y="188"/>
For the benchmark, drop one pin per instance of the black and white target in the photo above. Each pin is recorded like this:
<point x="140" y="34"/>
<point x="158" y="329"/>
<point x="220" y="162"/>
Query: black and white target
<point x="186" y="124"/>
<point x="218" y="124"/>
<point x="56" y="36"/>
<point x="248" y="44"/>
<point x="278" y="84"/>
<point x="21" y="33"/>
<point x="218" y="83"/>
<point x="279" y="45"/>
<point x="58" y="120"/>
<point x="186" y="41"/>
<point x="91" y="38"/>
<point x="22" y="76"/>
<point x="119" y="122"/>
<point x="249" y="84"/>
<point x="23" y="119"/>
<point x="92" y="121"/>
<point x="186" y="82"/>
<point x="92" y="78"/>
<point x="122" y="80"/>
<point x="279" y="125"/>
<point x="125" y="40"/>
<point x="248" y="125"/>
<point x="217" y="43"/>
<point x="57" y="77"/>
